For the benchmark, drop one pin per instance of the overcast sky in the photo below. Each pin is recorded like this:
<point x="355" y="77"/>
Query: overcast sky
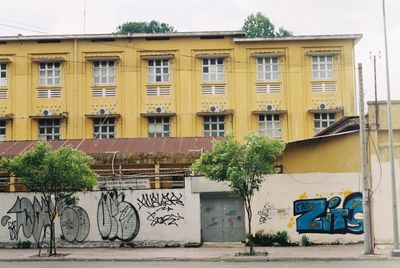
<point x="303" y="17"/>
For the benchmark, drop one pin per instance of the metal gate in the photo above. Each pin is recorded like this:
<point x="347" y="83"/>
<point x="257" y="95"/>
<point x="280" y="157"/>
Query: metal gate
<point x="222" y="218"/>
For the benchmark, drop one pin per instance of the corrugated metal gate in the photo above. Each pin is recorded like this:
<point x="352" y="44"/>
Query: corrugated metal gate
<point x="222" y="218"/>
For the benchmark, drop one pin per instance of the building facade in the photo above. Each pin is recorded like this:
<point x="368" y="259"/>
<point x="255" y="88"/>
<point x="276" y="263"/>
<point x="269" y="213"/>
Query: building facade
<point x="173" y="85"/>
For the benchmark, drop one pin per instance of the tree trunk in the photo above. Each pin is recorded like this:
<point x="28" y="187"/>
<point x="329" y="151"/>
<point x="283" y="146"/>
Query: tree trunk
<point x="249" y="235"/>
<point x="50" y="250"/>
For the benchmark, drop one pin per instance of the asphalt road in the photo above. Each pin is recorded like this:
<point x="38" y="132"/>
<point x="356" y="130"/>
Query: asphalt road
<point x="157" y="264"/>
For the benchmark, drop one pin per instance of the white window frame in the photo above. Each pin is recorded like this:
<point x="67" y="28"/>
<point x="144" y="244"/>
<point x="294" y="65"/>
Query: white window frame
<point x="104" y="128"/>
<point x="270" y="125"/>
<point x="214" y="125"/>
<point x="159" y="127"/>
<point x="49" y="129"/>
<point x="213" y="70"/>
<point x="3" y="74"/>
<point x="50" y="73"/>
<point x="3" y="130"/>
<point x="323" y="120"/>
<point x="322" y="67"/>
<point x="267" y="69"/>
<point x="158" y="71"/>
<point x="104" y="72"/>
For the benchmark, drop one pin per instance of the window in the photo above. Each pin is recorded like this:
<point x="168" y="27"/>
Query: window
<point x="159" y="127"/>
<point x="214" y="126"/>
<point x="270" y="125"/>
<point x="267" y="68"/>
<point x="104" y="72"/>
<point x="49" y="74"/>
<point x="322" y="67"/>
<point x="49" y="129"/>
<point x="3" y="75"/>
<point x="103" y="128"/>
<point x="2" y="130"/>
<point x="323" y="120"/>
<point x="158" y="71"/>
<point x="213" y="70"/>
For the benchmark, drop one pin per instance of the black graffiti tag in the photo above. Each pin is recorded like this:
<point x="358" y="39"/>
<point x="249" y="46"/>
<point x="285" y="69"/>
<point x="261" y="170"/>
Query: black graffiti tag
<point x="156" y="200"/>
<point x="116" y="218"/>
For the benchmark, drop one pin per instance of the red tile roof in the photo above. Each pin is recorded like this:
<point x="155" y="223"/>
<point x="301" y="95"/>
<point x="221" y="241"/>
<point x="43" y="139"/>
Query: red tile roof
<point x="126" y="145"/>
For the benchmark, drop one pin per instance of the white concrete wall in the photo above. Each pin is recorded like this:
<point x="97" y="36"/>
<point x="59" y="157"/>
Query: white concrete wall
<point x="382" y="198"/>
<point x="171" y="215"/>
<point x="278" y="192"/>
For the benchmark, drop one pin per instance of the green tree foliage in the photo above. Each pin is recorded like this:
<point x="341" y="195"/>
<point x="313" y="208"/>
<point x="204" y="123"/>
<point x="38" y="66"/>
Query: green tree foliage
<point x="145" y="27"/>
<point x="56" y="174"/>
<point x="259" y="25"/>
<point x="242" y="165"/>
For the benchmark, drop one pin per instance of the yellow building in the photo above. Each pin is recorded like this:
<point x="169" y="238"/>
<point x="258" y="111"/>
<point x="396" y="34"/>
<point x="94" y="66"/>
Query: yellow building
<point x="173" y="84"/>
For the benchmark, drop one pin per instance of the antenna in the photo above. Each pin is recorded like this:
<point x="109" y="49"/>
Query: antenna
<point x="84" y="16"/>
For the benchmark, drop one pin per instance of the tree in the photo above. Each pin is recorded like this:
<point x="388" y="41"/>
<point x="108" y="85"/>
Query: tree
<point x="144" y="27"/>
<point x="242" y="165"/>
<point x="259" y="25"/>
<point x="56" y="174"/>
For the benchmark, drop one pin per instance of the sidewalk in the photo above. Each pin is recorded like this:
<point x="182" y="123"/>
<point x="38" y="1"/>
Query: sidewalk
<point x="221" y="253"/>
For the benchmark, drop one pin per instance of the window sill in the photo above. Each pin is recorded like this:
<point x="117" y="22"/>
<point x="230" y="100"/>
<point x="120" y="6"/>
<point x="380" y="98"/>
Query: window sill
<point x="323" y="81"/>
<point x="104" y="86"/>
<point x="159" y="84"/>
<point x="50" y="87"/>
<point x="264" y="82"/>
<point x="217" y="83"/>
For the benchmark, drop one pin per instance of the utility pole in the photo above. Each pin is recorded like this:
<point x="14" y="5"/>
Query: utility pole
<point x="396" y="249"/>
<point x="376" y="93"/>
<point x="368" y="237"/>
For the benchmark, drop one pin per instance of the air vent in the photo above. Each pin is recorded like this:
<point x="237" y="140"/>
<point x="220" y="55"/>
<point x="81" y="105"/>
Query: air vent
<point x="48" y="41"/>
<point x="323" y="106"/>
<point x="47" y="112"/>
<point x="158" y="38"/>
<point x="212" y="37"/>
<point x="270" y="107"/>
<point x="102" y="40"/>
<point x="160" y="110"/>
<point x="214" y="109"/>
<point x="104" y="111"/>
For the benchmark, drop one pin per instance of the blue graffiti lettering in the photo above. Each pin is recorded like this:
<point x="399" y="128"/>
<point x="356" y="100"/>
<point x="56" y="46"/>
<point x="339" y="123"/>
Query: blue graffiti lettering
<point x="322" y="216"/>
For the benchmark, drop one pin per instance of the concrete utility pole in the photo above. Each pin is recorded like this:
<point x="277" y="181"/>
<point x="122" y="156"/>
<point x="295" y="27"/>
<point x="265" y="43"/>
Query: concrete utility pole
<point x="376" y="93"/>
<point x="368" y="237"/>
<point x="396" y="249"/>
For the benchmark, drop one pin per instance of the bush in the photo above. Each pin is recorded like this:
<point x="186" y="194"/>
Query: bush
<point x="305" y="241"/>
<point x="282" y="238"/>
<point x="24" y="244"/>
<point x="264" y="239"/>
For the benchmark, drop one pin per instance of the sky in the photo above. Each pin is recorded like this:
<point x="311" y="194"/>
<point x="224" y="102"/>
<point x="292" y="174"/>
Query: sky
<point x="303" y="17"/>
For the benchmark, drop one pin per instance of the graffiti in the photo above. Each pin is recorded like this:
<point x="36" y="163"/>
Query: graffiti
<point x="266" y="213"/>
<point x="33" y="217"/>
<point x="162" y="208"/>
<point x="214" y="222"/>
<point x="232" y="220"/>
<point x="75" y="224"/>
<point x="156" y="200"/>
<point x="30" y="217"/>
<point x="117" y="218"/>
<point x="166" y="219"/>
<point x="323" y="216"/>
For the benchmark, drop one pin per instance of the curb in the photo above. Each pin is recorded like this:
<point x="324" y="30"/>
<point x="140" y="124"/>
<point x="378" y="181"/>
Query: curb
<point x="217" y="259"/>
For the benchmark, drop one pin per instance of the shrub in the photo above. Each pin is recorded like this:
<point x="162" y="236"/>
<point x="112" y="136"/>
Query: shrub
<point x="24" y="244"/>
<point x="281" y="238"/>
<point x="263" y="239"/>
<point x="305" y="241"/>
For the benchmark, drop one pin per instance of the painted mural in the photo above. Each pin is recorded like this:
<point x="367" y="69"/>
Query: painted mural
<point x="321" y="215"/>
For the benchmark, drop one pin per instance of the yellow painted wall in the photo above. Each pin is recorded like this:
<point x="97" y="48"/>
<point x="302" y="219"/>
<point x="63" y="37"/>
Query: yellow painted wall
<point x="336" y="154"/>
<point x="185" y="82"/>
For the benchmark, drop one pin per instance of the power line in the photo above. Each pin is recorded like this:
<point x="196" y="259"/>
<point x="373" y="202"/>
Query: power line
<point x="26" y="24"/>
